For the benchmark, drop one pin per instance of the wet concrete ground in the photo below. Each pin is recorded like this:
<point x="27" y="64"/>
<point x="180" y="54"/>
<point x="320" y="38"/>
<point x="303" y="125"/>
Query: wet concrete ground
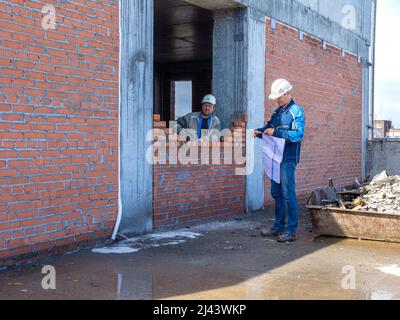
<point x="228" y="261"/>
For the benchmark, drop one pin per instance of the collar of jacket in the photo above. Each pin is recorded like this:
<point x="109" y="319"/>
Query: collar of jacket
<point x="287" y="107"/>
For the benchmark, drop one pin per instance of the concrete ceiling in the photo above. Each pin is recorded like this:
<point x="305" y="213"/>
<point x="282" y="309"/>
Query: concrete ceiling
<point x="215" y="4"/>
<point x="182" y="32"/>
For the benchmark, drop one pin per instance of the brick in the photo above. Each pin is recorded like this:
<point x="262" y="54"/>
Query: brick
<point x="40" y="72"/>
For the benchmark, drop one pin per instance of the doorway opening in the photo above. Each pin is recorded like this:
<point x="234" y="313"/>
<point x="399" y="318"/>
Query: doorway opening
<point x="183" y="49"/>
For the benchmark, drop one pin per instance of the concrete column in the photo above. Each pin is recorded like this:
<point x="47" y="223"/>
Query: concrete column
<point x="238" y="83"/>
<point x="136" y="116"/>
<point x="255" y="74"/>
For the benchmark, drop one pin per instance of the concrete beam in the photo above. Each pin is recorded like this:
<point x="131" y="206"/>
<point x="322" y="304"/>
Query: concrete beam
<point x="352" y="14"/>
<point x="319" y="18"/>
<point x="304" y="18"/>
<point x="238" y="83"/>
<point x="215" y="4"/>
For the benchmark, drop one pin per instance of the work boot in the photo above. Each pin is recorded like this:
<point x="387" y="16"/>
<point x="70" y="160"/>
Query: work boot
<point x="270" y="232"/>
<point x="286" y="237"/>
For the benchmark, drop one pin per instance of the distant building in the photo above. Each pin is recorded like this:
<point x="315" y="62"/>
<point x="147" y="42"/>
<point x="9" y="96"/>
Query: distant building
<point x="393" y="134"/>
<point x="381" y="128"/>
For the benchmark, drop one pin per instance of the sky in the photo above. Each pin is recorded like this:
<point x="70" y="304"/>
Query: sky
<point x="183" y="98"/>
<point x="387" y="74"/>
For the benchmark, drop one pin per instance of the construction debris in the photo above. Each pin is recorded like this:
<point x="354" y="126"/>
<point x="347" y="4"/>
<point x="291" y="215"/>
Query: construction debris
<point x="382" y="195"/>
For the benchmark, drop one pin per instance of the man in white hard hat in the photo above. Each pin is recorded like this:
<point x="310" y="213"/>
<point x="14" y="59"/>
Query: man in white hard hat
<point x="204" y="125"/>
<point x="287" y="122"/>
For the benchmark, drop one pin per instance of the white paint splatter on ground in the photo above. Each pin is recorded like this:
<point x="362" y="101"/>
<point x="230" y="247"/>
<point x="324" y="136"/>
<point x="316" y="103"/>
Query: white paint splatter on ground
<point x="391" y="269"/>
<point x="381" y="295"/>
<point x="154" y="240"/>
<point x="115" y="250"/>
<point x="168" y="235"/>
<point x="170" y="238"/>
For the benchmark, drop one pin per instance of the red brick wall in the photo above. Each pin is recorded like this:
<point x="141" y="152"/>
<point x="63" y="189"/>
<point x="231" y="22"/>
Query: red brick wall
<point x="58" y="124"/>
<point x="192" y="194"/>
<point x="329" y="88"/>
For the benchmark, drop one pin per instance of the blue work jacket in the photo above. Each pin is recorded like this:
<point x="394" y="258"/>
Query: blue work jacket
<point x="289" y="124"/>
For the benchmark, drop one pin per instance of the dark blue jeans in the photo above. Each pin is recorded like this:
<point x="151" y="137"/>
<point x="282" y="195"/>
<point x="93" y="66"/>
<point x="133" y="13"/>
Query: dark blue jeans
<point x="286" y="200"/>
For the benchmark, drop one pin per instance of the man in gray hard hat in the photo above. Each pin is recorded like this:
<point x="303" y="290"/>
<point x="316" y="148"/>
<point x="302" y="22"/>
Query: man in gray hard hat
<point x="287" y="122"/>
<point x="204" y="125"/>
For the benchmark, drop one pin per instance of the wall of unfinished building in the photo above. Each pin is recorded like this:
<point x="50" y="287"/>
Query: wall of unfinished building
<point x="58" y="124"/>
<point x="328" y="85"/>
<point x="59" y="118"/>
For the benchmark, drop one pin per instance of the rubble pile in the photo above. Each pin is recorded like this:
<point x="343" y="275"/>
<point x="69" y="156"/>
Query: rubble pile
<point x="382" y="194"/>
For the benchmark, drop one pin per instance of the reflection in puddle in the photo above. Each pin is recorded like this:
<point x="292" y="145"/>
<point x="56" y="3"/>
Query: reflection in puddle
<point x="381" y="295"/>
<point x="393" y="270"/>
<point x="138" y="286"/>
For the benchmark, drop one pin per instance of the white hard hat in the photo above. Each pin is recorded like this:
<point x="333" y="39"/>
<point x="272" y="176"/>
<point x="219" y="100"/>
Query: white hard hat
<point x="279" y="88"/>
<point x="209" y="99"/>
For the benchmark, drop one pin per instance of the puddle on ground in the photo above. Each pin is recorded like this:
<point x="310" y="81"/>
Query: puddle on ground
<point x="307" y="270"/>
<point x="194" y="284"/>
<point x="201" y="285"/>
<point x="393" y="270"/>
<point x="382" y="295"/>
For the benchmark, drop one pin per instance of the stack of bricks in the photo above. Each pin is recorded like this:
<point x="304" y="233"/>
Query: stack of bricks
<point x="187" y="194"/>
<point x="58" y="124"/>
<point x="328" y="85"/>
